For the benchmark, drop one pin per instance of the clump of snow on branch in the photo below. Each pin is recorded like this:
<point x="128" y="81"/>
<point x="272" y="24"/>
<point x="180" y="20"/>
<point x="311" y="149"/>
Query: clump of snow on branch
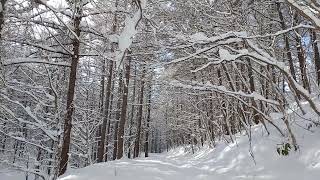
<point x="200" y="36"/>
<point x="225" y="55"/>
<point x="129" y="31"/>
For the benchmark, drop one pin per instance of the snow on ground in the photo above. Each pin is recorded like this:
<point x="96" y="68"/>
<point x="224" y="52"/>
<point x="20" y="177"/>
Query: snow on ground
<point x="9" y="174"/>
<point x="225" y="161"/>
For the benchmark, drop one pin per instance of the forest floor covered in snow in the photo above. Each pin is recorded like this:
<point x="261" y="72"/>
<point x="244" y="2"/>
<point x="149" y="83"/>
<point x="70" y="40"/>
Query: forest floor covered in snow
<point x="225" y="161"/>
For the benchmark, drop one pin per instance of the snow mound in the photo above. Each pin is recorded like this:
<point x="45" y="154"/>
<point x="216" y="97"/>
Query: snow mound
<point x="225" y="161"/>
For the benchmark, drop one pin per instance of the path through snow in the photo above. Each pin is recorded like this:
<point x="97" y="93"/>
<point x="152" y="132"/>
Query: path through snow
<point x="225" y="162"/>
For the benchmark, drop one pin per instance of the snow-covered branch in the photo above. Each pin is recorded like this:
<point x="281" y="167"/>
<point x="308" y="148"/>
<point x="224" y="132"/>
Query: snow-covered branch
<point x="125" y="39"/>
<point x="221" y="89"/>
<point x="17" y="61"/>
<point x="37" y="122"/>
<point x="308" y="9"/>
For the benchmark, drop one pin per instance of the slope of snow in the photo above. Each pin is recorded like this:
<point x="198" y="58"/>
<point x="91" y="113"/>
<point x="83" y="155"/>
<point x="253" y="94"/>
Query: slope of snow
<point x="9" y="174"/>
<point x="225" y="161"/>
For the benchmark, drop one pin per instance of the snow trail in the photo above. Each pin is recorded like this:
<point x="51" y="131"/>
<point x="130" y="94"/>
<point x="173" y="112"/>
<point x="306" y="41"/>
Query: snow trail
<point x="225" y="161"/>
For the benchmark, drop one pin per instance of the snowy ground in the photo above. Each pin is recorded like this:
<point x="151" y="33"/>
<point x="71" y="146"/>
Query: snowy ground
<point x="9" y="174"/>
<point x="227" y="162"/>
<point x="224" y="162"/>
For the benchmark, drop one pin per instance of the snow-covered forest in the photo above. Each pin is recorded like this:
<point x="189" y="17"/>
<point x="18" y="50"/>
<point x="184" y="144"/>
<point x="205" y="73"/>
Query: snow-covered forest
<point x="159" y="89"/>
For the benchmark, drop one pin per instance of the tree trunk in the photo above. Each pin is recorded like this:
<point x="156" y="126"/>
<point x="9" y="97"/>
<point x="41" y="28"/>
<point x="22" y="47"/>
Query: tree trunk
<point x="116" y="123"/>
<point x="123" y="109"/>
<point x="256" y="116"/>
<point x="316" y="55"/>
<point x="101" y="148"/>
<point x="3" y="2"/>
<point x="132" y="111"/>
<point x="139" y="118"/>
<point x="303" y="65"/>
<point x="146" y="145"/>
<point x="101" y="105"/>
<point x="70" y="97"/>
<point x="287" y="44"/>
